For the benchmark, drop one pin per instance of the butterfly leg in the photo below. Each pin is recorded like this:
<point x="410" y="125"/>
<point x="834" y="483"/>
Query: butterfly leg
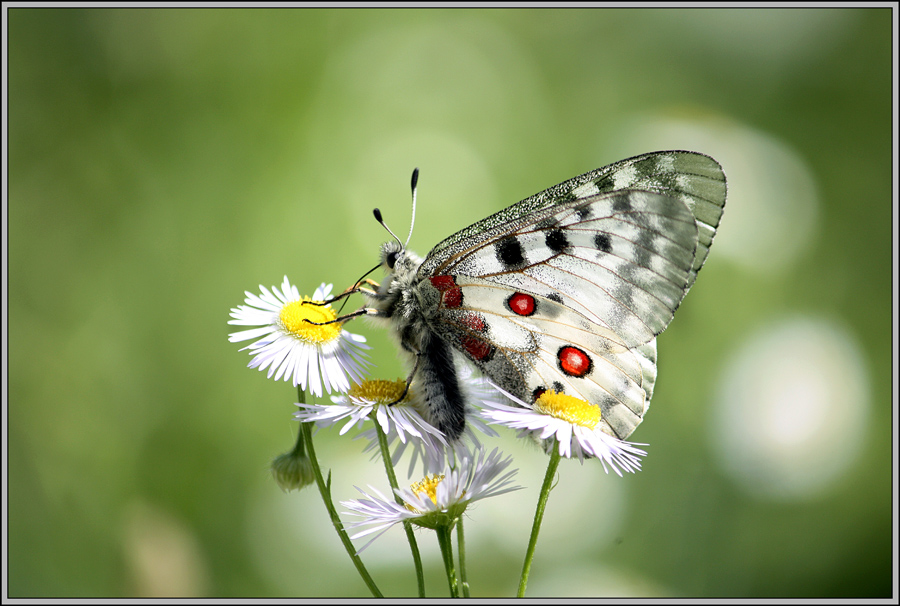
<point x="350" y="291"/>
<point x="409" y="379"/>
<point x="365" y="311"/>
<point x="368" y="291"/>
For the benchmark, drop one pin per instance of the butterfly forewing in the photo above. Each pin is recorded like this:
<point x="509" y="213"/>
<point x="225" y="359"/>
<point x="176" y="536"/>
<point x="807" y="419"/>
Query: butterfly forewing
<point x="620" y="260"/>
<point x="695" y="179"/>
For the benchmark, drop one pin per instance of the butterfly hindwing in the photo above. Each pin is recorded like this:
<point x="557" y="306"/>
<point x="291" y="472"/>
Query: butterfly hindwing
<point x="528" y="344"/>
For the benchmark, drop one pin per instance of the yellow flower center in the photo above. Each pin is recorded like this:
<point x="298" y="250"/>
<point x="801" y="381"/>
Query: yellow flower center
<point x="379" y="390"/>
<point x="427" y="486"/>
<point x="293" y="319"/>
<point x="568" y="408"/>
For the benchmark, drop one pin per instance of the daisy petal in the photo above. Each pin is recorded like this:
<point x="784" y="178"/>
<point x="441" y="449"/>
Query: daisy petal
<point x="299" y="341"/>
<point x="575" y="434"/>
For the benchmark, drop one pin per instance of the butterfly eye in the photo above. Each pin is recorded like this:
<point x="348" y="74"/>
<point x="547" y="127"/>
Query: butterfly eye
<point x="391" y="259"/>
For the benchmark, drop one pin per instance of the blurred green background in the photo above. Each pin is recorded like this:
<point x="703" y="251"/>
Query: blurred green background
<point x="162" y="162"/>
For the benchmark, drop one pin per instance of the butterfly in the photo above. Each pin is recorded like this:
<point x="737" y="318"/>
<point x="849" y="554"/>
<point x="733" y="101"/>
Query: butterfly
<point x="566" y="290"/>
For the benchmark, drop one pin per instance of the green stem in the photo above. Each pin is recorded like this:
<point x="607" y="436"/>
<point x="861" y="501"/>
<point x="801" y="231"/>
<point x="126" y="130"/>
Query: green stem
<point x="325" y="491"/>
<point x="444" y="540"/>
<point x="539" y="515"/>
<point x="461" y="544"/>
<point x="407" y="526"/>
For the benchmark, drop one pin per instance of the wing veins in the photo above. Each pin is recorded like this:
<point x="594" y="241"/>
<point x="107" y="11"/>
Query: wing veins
<point x="639" y="319"/>
<point x="613" y="298"/>
<point x="595" y="263"/>
<point x="462" y="255"/>
<point x="548" y="353"/>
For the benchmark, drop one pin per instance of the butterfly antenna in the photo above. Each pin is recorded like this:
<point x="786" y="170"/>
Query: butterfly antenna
<point x="377" y="213"/>
<point x="378" y="218"/>
<point x="413" y="183"/>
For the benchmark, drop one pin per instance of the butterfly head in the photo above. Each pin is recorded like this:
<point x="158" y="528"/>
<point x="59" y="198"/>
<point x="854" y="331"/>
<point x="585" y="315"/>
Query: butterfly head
<point x="394" y="299"/>
<point x="397" y="260"/>
<point x="390" y="252"/>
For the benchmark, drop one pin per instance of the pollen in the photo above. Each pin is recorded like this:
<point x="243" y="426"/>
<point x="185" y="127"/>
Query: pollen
<point x="428" y="487"/>
<point x="293" y="319"/>
<point x="568" y="408"/>
<point x="381" y="391"/>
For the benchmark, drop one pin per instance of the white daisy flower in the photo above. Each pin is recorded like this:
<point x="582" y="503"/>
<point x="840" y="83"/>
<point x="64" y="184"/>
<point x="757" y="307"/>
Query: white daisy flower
<point x="437" y="500"/>
<point x="574" y="422"/>
<point x="436" y="453"/>
<point x="372" y="399"/>
<point x="291" y="347"/>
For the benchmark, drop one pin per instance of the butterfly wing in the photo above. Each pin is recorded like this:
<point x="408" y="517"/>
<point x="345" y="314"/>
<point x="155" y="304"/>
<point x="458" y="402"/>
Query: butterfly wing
<point x="528" y="344"/>
<point x="695" y="179"/>
<point x="568" y="289"/>
<point x="620" y="260"/>
<point x="571" y="299"/>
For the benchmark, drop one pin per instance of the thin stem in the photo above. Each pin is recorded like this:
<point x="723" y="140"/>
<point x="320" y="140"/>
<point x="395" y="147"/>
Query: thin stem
<point x="444" y="540"/>
<point x="539" y="515"/>
<point x="407" y="526"/>
<point x="325" y="491"/>
<point x="461" y="546"/>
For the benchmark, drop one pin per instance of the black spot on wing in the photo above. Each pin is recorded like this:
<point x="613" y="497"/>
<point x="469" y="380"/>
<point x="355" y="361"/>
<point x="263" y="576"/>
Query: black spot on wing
<point x="603" y="243"/>
<point x="510" y="253"/>
<point x="647" y="241"/>
<point x="621" y="204"/>
<point x="556" y="240"/>
<point x="605" y="184"/>
<point x="546" y="223"/>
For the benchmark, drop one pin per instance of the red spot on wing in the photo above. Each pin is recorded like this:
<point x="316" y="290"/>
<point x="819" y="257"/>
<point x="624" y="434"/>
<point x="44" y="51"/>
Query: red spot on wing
<point x="573" y="361"/>
<point x="452" y="298"/>
<point x="443" y="283"/>
<point x="478" y="349"/>
<point x="451" y="294"/>
<point x="473" y="322"/>
<point x="521" y="304"/>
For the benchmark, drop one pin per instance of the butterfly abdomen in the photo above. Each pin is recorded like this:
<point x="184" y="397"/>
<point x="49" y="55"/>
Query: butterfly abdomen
<point x="440" y="387"/>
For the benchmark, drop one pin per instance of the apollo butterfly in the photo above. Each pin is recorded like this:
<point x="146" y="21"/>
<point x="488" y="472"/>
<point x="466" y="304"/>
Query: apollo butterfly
<point x="566" y="290"/>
